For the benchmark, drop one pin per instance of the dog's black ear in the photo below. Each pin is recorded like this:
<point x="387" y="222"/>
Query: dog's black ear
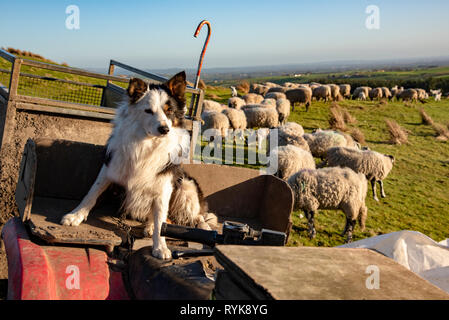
<point x="136" y="89"/>
<point x="177" y="85"/>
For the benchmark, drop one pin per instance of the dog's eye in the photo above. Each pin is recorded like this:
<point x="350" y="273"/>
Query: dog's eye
<point x="149" y="111"/>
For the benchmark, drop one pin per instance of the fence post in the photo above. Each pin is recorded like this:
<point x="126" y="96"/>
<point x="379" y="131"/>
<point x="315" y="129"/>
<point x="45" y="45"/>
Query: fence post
<point x="8" y="114"/>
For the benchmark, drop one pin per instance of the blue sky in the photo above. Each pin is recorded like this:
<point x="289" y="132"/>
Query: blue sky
<point x="159" y="34"/>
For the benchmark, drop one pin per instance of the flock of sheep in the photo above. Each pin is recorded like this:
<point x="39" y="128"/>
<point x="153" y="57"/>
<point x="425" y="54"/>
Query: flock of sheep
<point x="339" y="182"/>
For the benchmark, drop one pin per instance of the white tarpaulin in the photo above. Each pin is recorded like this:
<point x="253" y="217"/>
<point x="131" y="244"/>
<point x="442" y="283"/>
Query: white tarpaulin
<point x="415" y="251"/>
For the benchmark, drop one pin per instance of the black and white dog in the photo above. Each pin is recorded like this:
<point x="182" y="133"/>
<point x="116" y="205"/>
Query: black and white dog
<point x="140" y="157"/>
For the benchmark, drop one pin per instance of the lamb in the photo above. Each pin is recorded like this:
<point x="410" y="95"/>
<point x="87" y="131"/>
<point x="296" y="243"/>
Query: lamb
<point x="437" y="96"/>
<point x="409" y="94"/>
<point x="258" y="89"/>
<point x="345" y="90"/>
<point x="299" y="95"/>
<point x="374" y="165"/>
<point x="234" y="92"/>
<point x="322" y="92"/>
<point x="253" y="98"/>
<point x="210" y="105"/>
<point x="357" y="91"/>
<point x="321" y="140"/>
<point x="215" y="121"/>
<point x="275" y="95"/>
<point x="331" y="189"/>
<point x="237" y="118"/>
<point x="290" y="159"/>
<point x="290" y="133"/>
<point x="283" y="109"/>
<point x="261" y="117"/>
<point x="236" y="103"/>
<point x="375" y="93"/>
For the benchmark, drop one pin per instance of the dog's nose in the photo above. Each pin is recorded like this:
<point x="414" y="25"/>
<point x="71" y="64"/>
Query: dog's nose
<point x="163" y="129"/>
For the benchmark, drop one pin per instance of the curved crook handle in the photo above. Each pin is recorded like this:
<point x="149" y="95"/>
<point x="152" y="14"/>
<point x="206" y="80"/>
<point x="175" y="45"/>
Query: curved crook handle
<point x="200" y="63"/>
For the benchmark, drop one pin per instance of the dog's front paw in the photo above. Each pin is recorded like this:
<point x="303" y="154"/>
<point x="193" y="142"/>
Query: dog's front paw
<point x="73" y="219"/>
<point x="162" y="253"/>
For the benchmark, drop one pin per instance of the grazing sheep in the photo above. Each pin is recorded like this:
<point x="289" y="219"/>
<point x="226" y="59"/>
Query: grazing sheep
<point x="422" y="94"/>
<point x="277" y="89"/>
<point x="374" y="165"/>
<point x="375" y="93"/>
<point x="283" y="109"/>
<point x="299" y="95"/>
<point x="237" y="118"/>
<point x="234" y="92"/>
<point x="386" y="93"/>
<point x="210" y="105"/>
<point x="290" y="133"/>
<point x="335" y="92"/>
<point x="345" y="90"/>
<point x="275" y="95"/>
<point x="270" y="85"/>
<point x="322" y="92"/>
<point x="269" y="102"/>
<point x="261" y="117"/>
<point x="357" y="91"/>
<point x="408" y="94"/>
<point x="331" y="189"/>
<point x="236" y="103"/>
<point x="253" y="98"/>
<point x="258" y="89"/>
<point x="290" y="159"/>
<point x="216" y="121"/>
<point x="321" y="140"/>
<point x="361" y="96"/>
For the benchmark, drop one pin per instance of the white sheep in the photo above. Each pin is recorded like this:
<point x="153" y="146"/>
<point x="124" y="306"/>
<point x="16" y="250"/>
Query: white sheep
<point x="215" y="121"/>
<point x="253" y="98"/>
<point x="361" y="96"/>
<point x="283" y="109"/>
<point x="211" y="105"/>
<point x="261" y="117"/>
<point x="275" y="95"/>
<point x="237" y="118"/>
<point x="269" y="102"/>
<point x="236" y="103"/>
<point x="290" y="133"/>
<point x="321" y="140"/>
<point x="331" y="189"/>
<point x="290" y="159"/>
<point x="374" y="165"/>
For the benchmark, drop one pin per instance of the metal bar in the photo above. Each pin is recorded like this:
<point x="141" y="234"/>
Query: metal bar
<point x="23" y="74"/>
<point x="6" y="55"/>
<point x="138" y="71"/>
<point x="59" y="110"/>
<point x="63" y="104"/>
<point x="70" y="70"/>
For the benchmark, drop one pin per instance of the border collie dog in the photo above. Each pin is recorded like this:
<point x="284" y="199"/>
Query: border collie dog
<point x="140" y="157"/>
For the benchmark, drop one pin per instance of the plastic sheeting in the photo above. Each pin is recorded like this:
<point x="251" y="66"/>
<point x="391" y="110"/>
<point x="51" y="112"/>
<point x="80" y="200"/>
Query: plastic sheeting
<point x="415" y="251"/>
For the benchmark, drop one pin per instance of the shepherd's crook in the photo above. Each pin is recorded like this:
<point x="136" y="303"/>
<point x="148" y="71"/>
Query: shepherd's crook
<point x="200" y="63"/>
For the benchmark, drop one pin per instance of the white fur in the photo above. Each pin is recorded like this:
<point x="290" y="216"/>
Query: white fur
<point x="139" y="153"/>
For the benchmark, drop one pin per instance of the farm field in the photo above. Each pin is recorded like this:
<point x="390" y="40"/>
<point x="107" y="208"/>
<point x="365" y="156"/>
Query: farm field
<point x="417" y="188"/>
